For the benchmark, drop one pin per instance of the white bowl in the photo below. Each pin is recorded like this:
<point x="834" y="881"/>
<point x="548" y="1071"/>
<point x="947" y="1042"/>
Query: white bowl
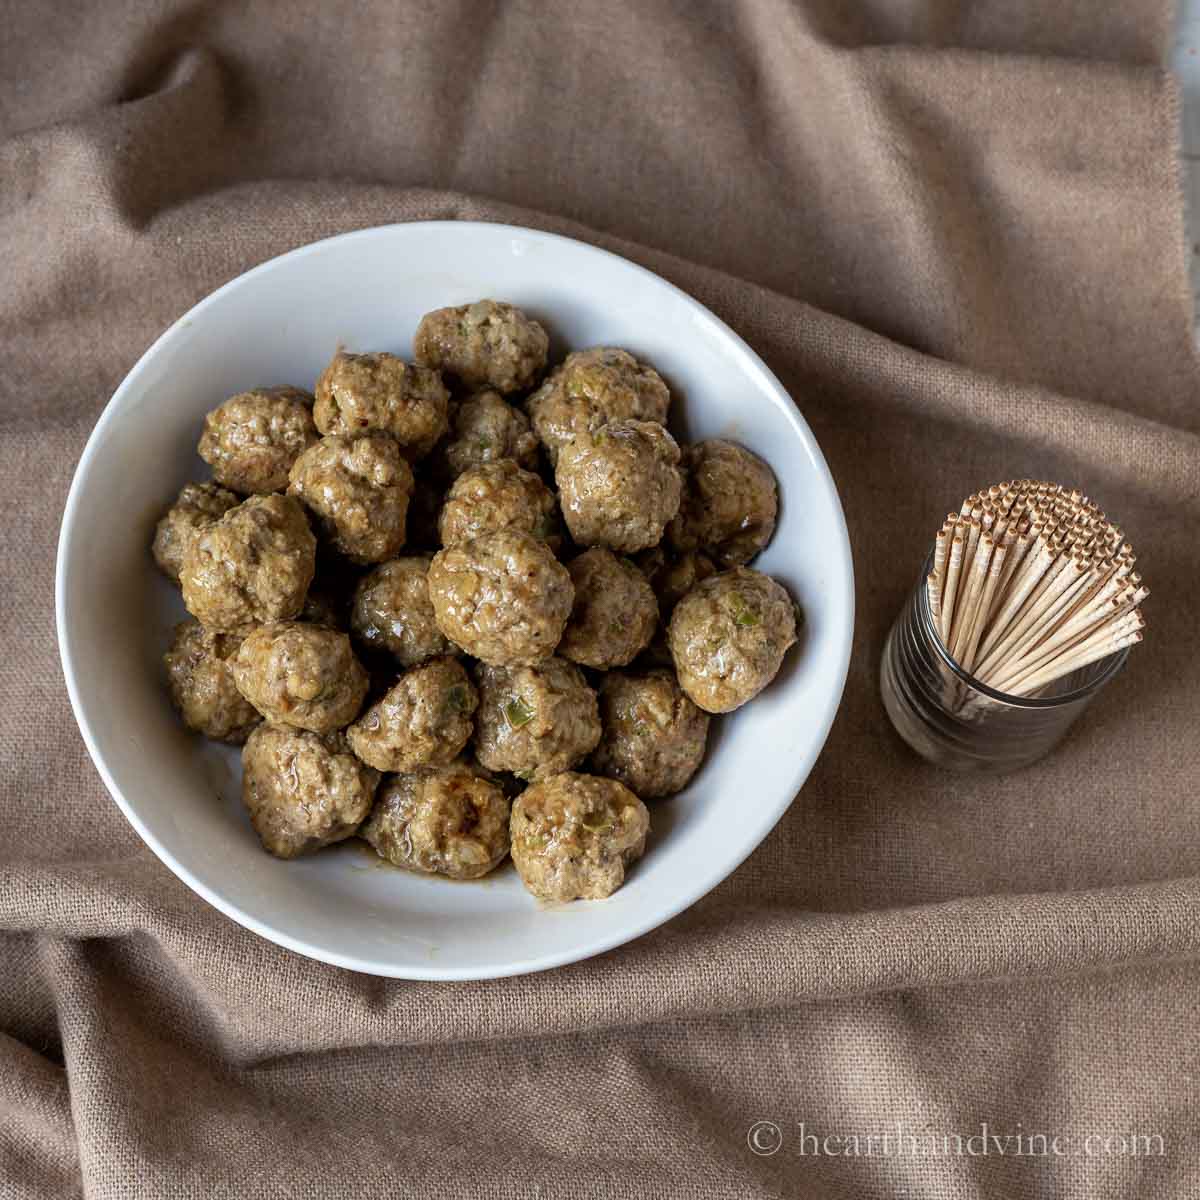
<point x="280" y="323"/>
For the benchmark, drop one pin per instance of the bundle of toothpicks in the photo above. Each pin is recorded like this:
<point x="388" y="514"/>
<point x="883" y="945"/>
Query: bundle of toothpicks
<point x="1031" y="582"/>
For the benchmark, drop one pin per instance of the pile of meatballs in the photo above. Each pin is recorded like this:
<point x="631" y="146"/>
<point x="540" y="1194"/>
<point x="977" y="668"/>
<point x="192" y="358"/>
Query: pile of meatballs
<point x="461" y="607"/>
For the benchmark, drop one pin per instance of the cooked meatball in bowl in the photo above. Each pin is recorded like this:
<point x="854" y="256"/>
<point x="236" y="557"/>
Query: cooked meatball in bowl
<point x="392" y="612"/>
<point x="495" y="496"/>
<point x="197" y="507"/>
<point x="301" y="675"/>
<point x="252" y="439"/>
<point x="619" y="486"/>
<point x="502" y="598"/>
<point x="424" y="719"/>
<point x="615" y="613"/>
<point x="358" y="393"/>
<point x="357" y="489"/>
<point x="251" y="565"/>
<point x="303" y="790"/>
<point x="730" y="502"/>
<point x="202" y="685"/>
<point x="574" y="836"/>
<point x="486" y="344"/>
<point x="593" y="388"/>
<point x="728" y="637"/>
<point x="535" y="721"/>
<point x="653" y="736"/>
<point x="485" y="429"/>
<point x="450" y="820"/>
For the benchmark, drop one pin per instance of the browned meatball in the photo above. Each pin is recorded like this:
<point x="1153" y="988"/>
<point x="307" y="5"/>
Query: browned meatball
<point x="728" y="636"/>
<point x="485" y="344"/>
<point x="619" y="486"/>
<point x="592" y="388"/>
<point x="252" y="565"/>
<point x="496" y="496"/>
<point x="615" y="612"/>
<point x="392" y="612"/>
<point x="485" y="428"/>
<point x="535" y="721"/>
<point x="303" y="790"/>
<point x="202" y="684"/>
<point x="424" y="720"/>
<point x="729" y="503"/>
<point x="198" y="506"/>
<point x="573" y="836"/>
<point x="503" y="597"/>
<point x="360" y="392"/>
<point x="301" y="675"/>
<point x="442" y="820"/>
<point x="357" y="488"/>
<point x="654" y="736"/>
<point x="252" y="439"/>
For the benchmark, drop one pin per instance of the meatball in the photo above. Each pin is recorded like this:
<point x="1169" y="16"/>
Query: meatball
<point x="485" y="344"/>
<point x="254" y="564"/>
<point x="619" y="486"/>
<point x="198" y="506"/>
<point x="301" y="675"/>
<point x="615" y="612"/>
<point x="729" y="503"/>
<point x="574" y="835"/>
<point x="442" y="820"/>
<point x="592" y="388"/>
<point x="303" y="790"/>
<point x="503" y="597"/>
<point x="728" y="636"/>
<point x="202" y="684"/>
<point x="487" y="429"/>
<point x="392" y="611"/>
<point x="496" y="496"/>
<point x="361" y="392"/>
<point x="252" y="440"/>
<point x="358" y="490"/>
<point x="673" y="576"/>
<point x="535" y="721"/>
<point x="654" y="736"/>
<point x="424" y="720"/>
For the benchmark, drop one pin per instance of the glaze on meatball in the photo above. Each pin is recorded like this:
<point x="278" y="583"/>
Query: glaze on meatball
<point x="303" y="790"/>
<point x="301" y="675"/>
<point x="502" y="598"/>
<point x="497" y="496"/>
<point x="654" y="736"/>
<point x="728" y="636"/>
<point x="423" y="720"/>
<point x="619" y="486"/>
<point x="615" y="613"/>
<point x="486" y="429"/>
<point x="573" y="836"/>
<point x="252" y="565"/>
<point x="361" y="392"/>
<point x="485" y="344"/>
<point x="252" y="439"/>
<point x="535" y="721"/>
<point x="202" y="684"/>
<point x="449" y="821"/>
<point x="729" y="504"/>
<point x="392" y="612"/>
<point x="198" y="506"/>
<point x="357" y="489"/>
<point x="592" y="388"/>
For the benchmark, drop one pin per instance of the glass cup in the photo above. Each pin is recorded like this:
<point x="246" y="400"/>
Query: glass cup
<point x="950" y="718"/>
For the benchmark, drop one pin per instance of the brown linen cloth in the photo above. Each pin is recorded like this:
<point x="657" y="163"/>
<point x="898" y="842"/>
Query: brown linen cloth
<point x="955" y="233"/>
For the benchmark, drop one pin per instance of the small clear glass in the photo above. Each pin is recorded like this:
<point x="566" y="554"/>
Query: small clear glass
<point x="951" y="719"/>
